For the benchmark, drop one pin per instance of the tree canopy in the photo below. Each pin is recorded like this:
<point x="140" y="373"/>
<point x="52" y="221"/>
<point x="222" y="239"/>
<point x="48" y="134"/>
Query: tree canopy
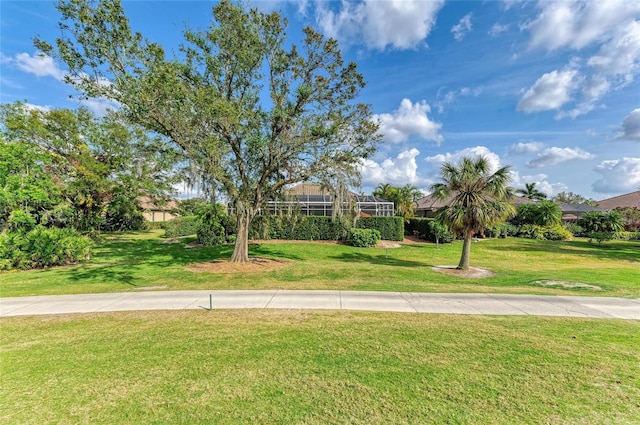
<point x="69" y="168"/>
<point x="252" y="111"/>
<point x="403" y="198"/>
<point x="573" y="198"/>
<point x="530" y="192"/>
<point x="476" y="199"/>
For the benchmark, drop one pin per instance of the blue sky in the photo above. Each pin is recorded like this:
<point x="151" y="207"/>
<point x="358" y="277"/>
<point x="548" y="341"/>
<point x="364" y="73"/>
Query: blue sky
<point x="550" y="88"/>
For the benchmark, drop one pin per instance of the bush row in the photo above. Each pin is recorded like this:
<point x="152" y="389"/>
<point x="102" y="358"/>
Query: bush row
<point x="42" y="247"/>
<point x="216" y="229"/>
<point x="390" y="228"/>
<point x="429" y="229"/>
<point x="297" y="228"/>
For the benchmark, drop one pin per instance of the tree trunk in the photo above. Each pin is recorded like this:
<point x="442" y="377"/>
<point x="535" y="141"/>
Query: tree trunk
<point x="241" y="248"/>
<point x="466" y="251"/>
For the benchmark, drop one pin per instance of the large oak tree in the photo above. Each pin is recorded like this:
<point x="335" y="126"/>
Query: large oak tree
<point x="251" y="110"/>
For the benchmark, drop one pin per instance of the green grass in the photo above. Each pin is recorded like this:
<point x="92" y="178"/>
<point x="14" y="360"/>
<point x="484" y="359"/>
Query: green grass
<point x="129" y="262"/>
<point x="288" y="367"/>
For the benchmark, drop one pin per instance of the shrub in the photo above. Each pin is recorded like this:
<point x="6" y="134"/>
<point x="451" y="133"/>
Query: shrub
<point x="42" y="247"/>
<point x="216" y="227"/>
<point x="597" y="221"/>
<point x="544" y="213"/>
<point x="211" y="233"/>
<point x="430" y="229"/>
<point x="390" y="228"/>
<point x="21" y="220"/>
<point x="155" y="225"/>
<point x="363" y="238"/>
<point x="600" y="236"/>
<point x="628" y="236"/>
<point x="557" y="233"/>
<point x="532" y="231"/>
<point x="181" y="226"/>
<point x="122" y="220"/>
<point x="574" y="228"/>
<point x="550" y="233"/>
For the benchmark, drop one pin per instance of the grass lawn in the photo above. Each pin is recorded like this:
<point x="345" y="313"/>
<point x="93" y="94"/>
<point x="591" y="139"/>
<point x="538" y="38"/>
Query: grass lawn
<point x="129" y="262"/>
<point x="291" y="367"/>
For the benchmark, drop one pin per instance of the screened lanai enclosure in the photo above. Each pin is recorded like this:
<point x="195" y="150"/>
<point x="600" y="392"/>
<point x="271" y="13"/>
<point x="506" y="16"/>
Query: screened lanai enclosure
<point x="312" y="199"/>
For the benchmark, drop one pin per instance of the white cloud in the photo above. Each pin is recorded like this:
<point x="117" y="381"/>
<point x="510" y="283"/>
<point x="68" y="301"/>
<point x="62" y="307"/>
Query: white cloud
<point x="621" y="55"/>
<point x="523" y="148"/>
<point x="39" y="64"/>
<point x="397" y="171"/>
<point x="577" y="24"/>
<point x="462" y="28"/>
<point x="618" y="176"/>
<point x="379" y="24"/>
<point x="32" y="107"/>
<point x="498" y="29"/>
<point x="100" y="106"/>
<point x="409" y="119"/>
<point x="541" y="181"/>
<point x="550" y="92"/>
<point x="593" y="90"/>
<point x="452" y="95"/>
<point x="555" y="155"/>
<point x="612" y="25"/>
<point x="630" y="128"/>
<point x="474" y="152"/>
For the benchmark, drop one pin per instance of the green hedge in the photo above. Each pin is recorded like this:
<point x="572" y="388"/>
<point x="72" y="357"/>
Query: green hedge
<point x="182" y="226"/>
<point x="390" y="228"/>
<point x="363" y="238"/>
<point x="297" y="228"/>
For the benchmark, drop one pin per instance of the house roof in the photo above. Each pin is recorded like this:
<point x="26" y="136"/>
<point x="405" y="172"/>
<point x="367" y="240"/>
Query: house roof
<point x="147" y="203"/>
<point x="578" y="208"/>
<point x="430" y="202"/>
<point x="623" y="201"/>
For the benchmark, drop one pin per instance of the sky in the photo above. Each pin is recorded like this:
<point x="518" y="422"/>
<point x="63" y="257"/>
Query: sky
<point x="551" y="89"/>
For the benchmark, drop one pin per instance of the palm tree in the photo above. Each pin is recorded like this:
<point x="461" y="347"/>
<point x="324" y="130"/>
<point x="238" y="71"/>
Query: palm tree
<point x="530" y="192"/>
<point x="384" y="191"/>
<point x="477" y="199"/>
<point x="406" y="197"/>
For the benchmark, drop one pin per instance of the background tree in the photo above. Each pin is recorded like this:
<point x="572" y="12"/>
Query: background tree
<point x="406" y="196"/>
<point x="573" y="198"/>
<point x="545" y="213"/>
<point x="530" y="192"/>
<point x="403" y="198"/>
<point x="252" y="111"/>
<point x="385" y="191"/>
<point x="99" y="167"/>
<point x="24" y="183"/>
<point x="601" y="221"/>
<point x="631" y="218"/>
<point x="479" y="199"/>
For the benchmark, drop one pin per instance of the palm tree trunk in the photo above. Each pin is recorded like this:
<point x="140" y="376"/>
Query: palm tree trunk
<point x="466" y="251"/>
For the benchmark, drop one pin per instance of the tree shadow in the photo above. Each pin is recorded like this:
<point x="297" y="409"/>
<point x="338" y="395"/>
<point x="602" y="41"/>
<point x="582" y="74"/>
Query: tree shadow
<point x="611" y="250"/>
<point x="267" y="250"/>
<point x="119" y="259"/>
<point x="380" y="259"/>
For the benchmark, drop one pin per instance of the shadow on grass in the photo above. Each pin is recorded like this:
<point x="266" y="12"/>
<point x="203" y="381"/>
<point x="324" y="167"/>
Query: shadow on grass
<point x="380" y="259"/>
<point x="611" y="250"/>
<point x="118" y="259"/>
<point x="262" y="250"/>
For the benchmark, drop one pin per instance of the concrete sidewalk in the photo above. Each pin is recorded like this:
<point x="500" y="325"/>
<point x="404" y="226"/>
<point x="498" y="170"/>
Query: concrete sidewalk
<point x="489" y="304"/>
